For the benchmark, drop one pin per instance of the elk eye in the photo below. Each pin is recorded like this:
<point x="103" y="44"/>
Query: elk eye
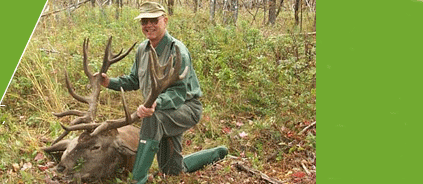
<point x="95" y="148"/>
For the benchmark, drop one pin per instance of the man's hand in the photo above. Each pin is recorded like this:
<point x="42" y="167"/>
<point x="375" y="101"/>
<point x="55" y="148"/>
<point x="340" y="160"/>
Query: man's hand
<point x="144" y="112"/>
<point x="105" y="81"/>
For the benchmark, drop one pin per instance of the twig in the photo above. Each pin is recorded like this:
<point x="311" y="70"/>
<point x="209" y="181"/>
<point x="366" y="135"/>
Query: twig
<point x="48" y="51"/>
<point x="257" y="173"/>
<point x="310" y="33"/>
<point x="302" y="131"/>
<point x="57" y="11"/>
<point x="305" y="169"/>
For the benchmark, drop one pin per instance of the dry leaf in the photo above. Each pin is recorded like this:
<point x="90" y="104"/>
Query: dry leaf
<point x="26" y="166"/>
<point x="15" y="167"/>
<point x="39" y="156"/>
<point x="243" y="134"/>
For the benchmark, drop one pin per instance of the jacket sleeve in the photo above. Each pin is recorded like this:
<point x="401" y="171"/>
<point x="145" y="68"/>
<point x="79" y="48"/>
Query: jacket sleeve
<point x="127" y="82"/>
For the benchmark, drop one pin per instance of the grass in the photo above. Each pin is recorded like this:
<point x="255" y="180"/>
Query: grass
<point x="259" y="85"/>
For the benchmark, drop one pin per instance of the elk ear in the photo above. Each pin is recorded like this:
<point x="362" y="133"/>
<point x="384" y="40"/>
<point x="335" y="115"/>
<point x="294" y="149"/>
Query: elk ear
<point x="60" y="146"/>
<point x="123" y="148"/>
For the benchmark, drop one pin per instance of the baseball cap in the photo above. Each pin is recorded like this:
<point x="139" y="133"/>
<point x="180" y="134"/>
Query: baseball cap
<point x="150" y="10"/>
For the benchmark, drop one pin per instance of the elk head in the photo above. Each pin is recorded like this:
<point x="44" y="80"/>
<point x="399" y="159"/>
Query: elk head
<point x="92" y="157"/>
<point x="104" y="147"/>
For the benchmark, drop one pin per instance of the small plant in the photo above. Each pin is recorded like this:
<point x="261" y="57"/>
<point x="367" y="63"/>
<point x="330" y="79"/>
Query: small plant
<point x="79" y="164"/>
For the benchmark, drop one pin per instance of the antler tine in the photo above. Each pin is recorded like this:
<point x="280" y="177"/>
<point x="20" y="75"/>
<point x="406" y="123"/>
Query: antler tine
<point x="178" y="64"/>
<point x="117" y="58"/>
<point x="125" y="108"/>
<point x="88" y="126"/>
<point x="63" y="135"/>
<point x="86" y="70"/>
<point x="110" y="58"/>
<point x="84" y="119"/>
<point x="72" y="92"/>
<point x="116" y="55"/>
<point x="111" y="124"/>
<point x="70" y="112"/>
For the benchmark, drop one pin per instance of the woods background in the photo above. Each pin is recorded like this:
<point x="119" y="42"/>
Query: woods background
<point x="256" y="62"/>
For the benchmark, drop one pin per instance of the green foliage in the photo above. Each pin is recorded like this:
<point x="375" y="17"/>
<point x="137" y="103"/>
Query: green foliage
<point x="312" y="140"/>
<point x="79" y="164"/>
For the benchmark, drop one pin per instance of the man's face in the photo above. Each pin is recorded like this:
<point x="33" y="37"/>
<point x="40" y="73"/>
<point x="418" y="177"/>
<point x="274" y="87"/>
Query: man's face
<point x="154" y="28"/>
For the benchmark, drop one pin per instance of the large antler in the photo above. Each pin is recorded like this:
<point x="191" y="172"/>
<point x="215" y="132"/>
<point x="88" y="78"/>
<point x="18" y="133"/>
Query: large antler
<point x="159" y="81"/>
<point x="95" y="82"/>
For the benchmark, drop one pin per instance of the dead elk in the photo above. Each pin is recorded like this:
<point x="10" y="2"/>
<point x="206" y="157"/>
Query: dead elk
<point x="94" y="157"/>
<point x="104" y="147"/>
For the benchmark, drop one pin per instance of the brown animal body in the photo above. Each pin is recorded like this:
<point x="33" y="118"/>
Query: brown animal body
<point x="104" y="147"/>
<point x="93" y="157"/>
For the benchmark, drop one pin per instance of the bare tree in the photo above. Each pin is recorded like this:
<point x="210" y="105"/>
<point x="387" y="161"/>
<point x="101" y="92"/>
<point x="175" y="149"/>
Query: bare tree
<point x="272" y="12"/>
<point x="296" y="7"/>
<point x="264" y="10"/>
<point x="170" y="4"/>
<point x="119" y="5"/>
<point x="279" y="8"/>
<point x="212" y="9"/>
<point x="235" y="10"/>
<point x="195" y="5"/>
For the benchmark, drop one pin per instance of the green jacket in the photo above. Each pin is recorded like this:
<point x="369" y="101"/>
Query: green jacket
<point x="139" y="78"/>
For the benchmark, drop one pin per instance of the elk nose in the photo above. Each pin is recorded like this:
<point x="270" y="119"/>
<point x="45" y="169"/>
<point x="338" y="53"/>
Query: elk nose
<point x="60" y="168"/>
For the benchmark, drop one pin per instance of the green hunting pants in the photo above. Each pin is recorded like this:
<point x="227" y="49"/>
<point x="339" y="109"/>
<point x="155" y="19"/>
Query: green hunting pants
<point x="167" y="127"/>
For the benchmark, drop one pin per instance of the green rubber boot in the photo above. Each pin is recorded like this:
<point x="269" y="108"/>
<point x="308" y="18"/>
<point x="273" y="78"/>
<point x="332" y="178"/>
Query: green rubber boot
<point x="145" y="155"/>
<point x="198" y="160"/>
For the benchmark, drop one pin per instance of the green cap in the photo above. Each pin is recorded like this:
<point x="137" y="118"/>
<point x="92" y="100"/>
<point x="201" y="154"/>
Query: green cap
<point x="150" y="10"/>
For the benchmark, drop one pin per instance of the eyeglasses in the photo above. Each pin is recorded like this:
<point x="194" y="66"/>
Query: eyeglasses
<point x="153" y="21"/>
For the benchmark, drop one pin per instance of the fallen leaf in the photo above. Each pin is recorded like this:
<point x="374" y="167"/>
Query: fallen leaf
<point x="207" y="118"/>
<point x="50" y="164"/>
<point x="226" y="130"/>
<point x="39" y="156"/>
<point x="299" y="174"/>
<point x="26" y="166"/>
<point x="289" y="134"/>
<point x="239" y="123"/>
<point x="15" y="167"/>
<point x="42" y="167"/>
<point x="243" y="134"/>
<point x="188" y="142"/>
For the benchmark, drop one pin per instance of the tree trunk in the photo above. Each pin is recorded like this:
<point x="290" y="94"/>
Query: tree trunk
<point x="235" y="10"/>
<point x="296" y="7"/>
<point x="195" y="5"/>
<point x="212" y="9"/>
<point x="264" y="10"/>
<point x="272" y="12"/>
<point x="118" y="6"/>
<point x="301" y="8"/>
<point x="279" y="8"/>
<point x="170" y="4"/>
